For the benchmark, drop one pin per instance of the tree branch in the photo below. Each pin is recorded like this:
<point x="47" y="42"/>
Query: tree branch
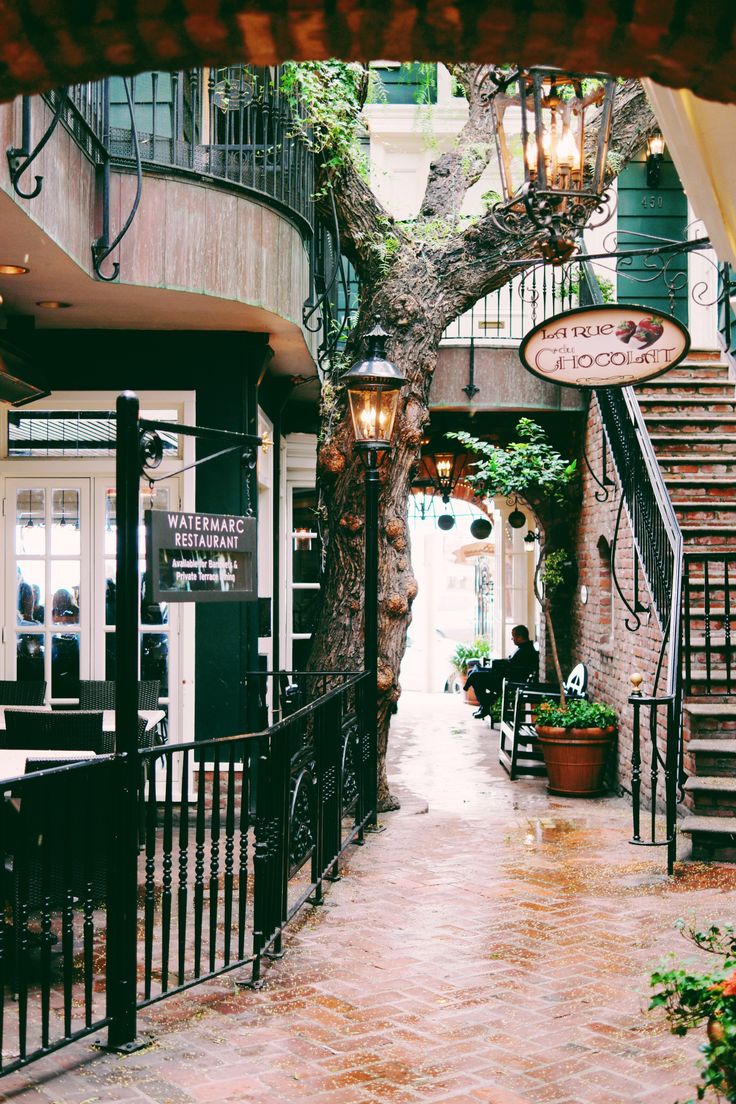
<point x="455" y="172"/>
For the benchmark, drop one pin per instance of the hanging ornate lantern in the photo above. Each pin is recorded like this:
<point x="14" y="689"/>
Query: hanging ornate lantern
<point x="556" y="182"/>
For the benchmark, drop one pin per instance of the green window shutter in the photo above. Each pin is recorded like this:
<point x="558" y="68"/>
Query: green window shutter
<point x="660" y="212"/>
<point x="409" y="83"/>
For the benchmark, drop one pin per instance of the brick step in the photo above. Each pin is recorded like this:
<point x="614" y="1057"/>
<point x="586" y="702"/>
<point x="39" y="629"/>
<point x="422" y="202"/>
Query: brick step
<point x="717" y="641"/>
<point x="705" y="511"/>
<point x="672" y="445"/>
<point x="691" y="425"/>
<point x="665" y="385"/>
<point x="689" y="464"/>
<point x="714" y="538"/>
<point x="713" y="837"/>
<point x="712" y="794"/>
<point x="699" y="746"/>
<point x="665" y="406"/>
<point x="704" y="369"/>
<point x="700" y="482"/>
<point x="696" y="624"/>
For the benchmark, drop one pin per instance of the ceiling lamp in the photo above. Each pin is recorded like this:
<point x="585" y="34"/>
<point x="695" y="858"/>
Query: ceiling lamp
<point x="445" y="522"/>
<point x="517" y="520"/>
<point x="556" y="181"/>
<point x="52" y="304"/>
<point x="13" y="270"/>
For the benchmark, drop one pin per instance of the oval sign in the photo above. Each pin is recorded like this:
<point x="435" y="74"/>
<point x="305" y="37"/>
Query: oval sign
<point x="611" y="345"/>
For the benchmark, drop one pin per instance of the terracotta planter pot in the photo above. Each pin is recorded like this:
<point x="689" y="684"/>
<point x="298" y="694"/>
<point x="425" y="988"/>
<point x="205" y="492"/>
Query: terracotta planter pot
<point x="470" y="697"/>
<point x="575" y="759"/>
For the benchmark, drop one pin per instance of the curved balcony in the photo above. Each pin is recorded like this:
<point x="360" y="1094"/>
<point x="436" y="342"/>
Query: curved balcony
<point x="236" y="126"/>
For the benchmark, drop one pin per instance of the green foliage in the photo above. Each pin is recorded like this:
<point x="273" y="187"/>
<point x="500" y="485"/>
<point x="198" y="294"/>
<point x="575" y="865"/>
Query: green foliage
<point x="554" y="571"/>
<point x="464" y="653"/>
<point x="576" y="713"/>
<point x="692" y="997"/>
<point x="332" y="93"/>
<point x="571" y="286"/>
<point x="530" y="464"/>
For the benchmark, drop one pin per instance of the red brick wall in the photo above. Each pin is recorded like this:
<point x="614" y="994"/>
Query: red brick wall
<point x="598" y="633"/>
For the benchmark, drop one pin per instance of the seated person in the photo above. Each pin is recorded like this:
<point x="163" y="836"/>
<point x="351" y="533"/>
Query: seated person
<point x="487" y="682"/>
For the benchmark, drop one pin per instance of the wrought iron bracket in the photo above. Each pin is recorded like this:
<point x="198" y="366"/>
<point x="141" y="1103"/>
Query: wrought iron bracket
<point x="102" y="247"/>
<point x="19" y="157"/>
<point x="471" y="390"/>
<point x="637" y="608"/>
<point x="605" y="482"/>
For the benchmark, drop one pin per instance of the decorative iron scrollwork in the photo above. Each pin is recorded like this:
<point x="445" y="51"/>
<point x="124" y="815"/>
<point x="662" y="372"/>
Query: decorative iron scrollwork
<point x="19" y="157"/>
<point x="350" y="750"/>
<point x="301" y="820"/>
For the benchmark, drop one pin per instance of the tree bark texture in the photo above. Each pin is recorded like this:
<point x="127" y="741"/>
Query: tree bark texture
<point x="416" y="288"/>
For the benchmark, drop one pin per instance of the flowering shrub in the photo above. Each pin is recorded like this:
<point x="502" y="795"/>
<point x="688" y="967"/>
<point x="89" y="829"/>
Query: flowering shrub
<point x="691" y="998"/>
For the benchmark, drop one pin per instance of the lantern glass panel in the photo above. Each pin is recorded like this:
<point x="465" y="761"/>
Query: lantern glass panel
<point x="373" y="411"/>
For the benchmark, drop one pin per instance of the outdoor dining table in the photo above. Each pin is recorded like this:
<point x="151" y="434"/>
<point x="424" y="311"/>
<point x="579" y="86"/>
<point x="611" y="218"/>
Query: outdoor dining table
<point x="13" y="760"/>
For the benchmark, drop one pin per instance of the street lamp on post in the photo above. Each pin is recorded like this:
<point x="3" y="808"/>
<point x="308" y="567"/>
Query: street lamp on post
<point x="373" y="387"/>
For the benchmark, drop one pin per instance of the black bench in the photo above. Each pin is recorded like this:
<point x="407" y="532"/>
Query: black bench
<point x="519" y="750"/>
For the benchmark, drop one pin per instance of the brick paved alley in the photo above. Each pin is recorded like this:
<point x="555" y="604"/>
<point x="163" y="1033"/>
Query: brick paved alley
<point x="491" y="946"/>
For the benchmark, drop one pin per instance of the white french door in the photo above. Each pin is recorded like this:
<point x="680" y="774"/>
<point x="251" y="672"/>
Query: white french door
<point x="60" y="588"/>
<point x="49" y="611"/>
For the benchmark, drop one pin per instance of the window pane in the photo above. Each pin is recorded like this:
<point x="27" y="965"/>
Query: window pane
<point x="65" y="521"/>
<point x="30" y="522"/>
<point x="31" y="576"/>
<point x="65" y="575"/>
<point x="29" y="657"/>
<point x="306" y="606"/>
<point x="155" y="660"/>
<point x="65" y="665"/>
<point x="300" y="650"/>
<point x="109" y="655"/>
<point x="110" y="603"/>
<point x="305" y="544"/>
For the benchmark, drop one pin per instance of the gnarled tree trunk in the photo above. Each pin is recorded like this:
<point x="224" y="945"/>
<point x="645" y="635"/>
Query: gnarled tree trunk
<point x="416" y="284"/>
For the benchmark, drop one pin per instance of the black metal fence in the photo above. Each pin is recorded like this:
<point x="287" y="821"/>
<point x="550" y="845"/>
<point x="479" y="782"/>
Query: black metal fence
<point x="233" y="836"/>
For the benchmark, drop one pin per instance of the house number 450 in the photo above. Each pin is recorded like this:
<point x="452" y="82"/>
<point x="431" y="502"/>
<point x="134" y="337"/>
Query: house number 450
<point x="652" y="201"/>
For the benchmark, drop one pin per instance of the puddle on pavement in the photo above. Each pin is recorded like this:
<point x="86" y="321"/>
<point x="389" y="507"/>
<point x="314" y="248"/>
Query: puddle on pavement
<point x="549" y="828"/>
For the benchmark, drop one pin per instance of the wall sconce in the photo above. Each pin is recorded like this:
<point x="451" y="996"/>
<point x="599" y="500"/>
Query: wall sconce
<point x="655" y="157"/>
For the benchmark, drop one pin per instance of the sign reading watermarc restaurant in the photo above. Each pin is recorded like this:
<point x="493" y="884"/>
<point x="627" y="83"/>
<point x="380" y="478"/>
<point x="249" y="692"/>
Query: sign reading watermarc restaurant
<point x="201" y="557"/>
<point x="612" y="345"/>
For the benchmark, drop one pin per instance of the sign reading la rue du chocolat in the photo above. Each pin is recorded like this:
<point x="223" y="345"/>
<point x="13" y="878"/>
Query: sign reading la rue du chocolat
<point x="612" y="345"/>
<point x="201" y="557"/>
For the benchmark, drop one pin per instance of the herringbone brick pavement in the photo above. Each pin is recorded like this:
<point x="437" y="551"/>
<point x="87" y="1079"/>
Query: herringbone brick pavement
<point x="491" y="946"/>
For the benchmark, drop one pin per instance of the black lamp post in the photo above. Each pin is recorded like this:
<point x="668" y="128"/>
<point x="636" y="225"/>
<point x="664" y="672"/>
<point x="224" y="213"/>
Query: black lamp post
<point x="373" y="387"/>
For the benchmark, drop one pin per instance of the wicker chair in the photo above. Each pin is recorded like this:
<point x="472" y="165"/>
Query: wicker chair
<point x="22" y="693"/>
<point x="100" y="694"/>
<point x="67" y="730"/>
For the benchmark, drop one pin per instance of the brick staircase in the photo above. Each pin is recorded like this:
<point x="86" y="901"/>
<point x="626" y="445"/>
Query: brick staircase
<point x="691" y="416"/>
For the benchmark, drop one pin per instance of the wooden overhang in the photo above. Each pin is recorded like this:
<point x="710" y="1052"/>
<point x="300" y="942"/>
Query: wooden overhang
<point x="679" y="43"/>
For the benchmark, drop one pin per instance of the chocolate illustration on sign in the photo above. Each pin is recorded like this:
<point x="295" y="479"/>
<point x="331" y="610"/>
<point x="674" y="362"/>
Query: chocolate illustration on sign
<point x="612" y="345"/>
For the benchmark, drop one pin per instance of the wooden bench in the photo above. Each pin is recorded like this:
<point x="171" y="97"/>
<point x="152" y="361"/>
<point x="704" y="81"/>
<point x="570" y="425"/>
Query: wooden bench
<point x="519" y="750"/>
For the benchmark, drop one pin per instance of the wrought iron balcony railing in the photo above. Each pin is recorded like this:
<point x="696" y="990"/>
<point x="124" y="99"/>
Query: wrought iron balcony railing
<point x="235" y="125"/>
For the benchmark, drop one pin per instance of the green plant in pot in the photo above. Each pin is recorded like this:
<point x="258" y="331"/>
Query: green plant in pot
<point x="576" y="739"/>
<point x="464" y="655"/>
<point x="693" y="997"/>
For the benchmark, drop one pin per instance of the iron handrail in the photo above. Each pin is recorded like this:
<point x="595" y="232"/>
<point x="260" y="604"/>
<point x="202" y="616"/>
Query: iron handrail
<point x="659" y="547"/>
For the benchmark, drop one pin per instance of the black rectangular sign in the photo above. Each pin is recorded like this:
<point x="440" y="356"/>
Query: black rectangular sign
<point x="201" y="557"/>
